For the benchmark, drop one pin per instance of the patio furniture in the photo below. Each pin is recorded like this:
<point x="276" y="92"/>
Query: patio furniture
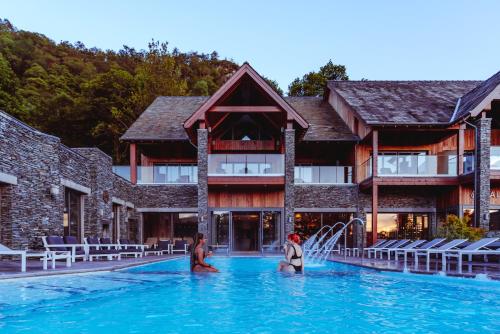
<point x="378" y="245"/>
<point x="398" y="244"/>
<point x="96" y="250"/>
<point x="429" y="244"/>
<point x="57" y="250"/>
<point x="479" y="247"/>
<point x="77" y="249"/>
<point x="165" y="246"/>
<point x="395" y="250"/>
<point x="453" y="244"/>
<point x="180" y="246"/>
<point x="44" y="256"/>
<point x="127" y="248"/>
<point x="355" y="250"/>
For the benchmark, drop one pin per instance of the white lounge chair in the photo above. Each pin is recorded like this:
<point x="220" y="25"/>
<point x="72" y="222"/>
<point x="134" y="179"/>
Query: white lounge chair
<point x="57" y="244"/>
<point x="181" y="246"/>
<point x="377" y="245"/>
<point x="395" y="250"/>
<point x="355" y="250"/>
<point x="44" y="256"/>
<point x="453" y="244"/>
<point x="96" y="250"/>
<point x="129" y="248"/>
<point x="479" y="247"/>
<point x="398" y="244"/>
<point x="428" y="245"/>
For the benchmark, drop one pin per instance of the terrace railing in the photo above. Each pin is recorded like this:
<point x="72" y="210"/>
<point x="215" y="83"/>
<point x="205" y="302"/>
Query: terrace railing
<point x="246" y="165"/>
<point x="323" y="174"/>
<point x="161" y="174"/>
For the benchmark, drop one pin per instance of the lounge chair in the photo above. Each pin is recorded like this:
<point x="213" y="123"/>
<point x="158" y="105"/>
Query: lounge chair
<point x="106" y="243"/>
<point x="429" y="244"/>
<point x="44" y="256"/>
<point x="180" y="246"/>
<point x="355" y="250"/>
<point x="396" y="245"/>
<point x="453" y="244"/>
<point x="57" y="250"/>
<point x="378" y="245"/>
<point x="96" y="250"/>
<point x="77" y="249"/>
<point x="165" y="246"/>
<point x="479" y="247"/>
<point x="395" y="250"/>
<point x="131" y="246"/>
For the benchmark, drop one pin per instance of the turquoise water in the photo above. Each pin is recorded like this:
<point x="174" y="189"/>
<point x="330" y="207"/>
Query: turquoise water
<point x="248" y="297"/>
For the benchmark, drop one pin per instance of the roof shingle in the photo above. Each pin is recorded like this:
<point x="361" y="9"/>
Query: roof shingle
<point x="403" y="102"/>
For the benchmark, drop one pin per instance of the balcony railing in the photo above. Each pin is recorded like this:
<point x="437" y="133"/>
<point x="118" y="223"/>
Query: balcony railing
<point x="161" y="174"/>
<point x="469" y="160"/>
<point x="411" y="165"/>
<point x="246" y="164"/>
<point x="323" y="174"/>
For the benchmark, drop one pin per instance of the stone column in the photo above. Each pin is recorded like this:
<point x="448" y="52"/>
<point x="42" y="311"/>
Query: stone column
<point x="359" y="231"/>
<point x="289" y="180"/>
<point x="203" y="182"/>
<point x="482" y="174"/>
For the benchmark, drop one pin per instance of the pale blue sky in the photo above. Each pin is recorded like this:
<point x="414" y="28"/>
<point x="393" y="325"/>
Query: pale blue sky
<point x="383" y="40"/>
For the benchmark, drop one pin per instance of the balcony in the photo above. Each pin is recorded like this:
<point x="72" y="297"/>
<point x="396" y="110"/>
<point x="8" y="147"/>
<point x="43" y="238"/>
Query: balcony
<point x="323" y="175"/>
<point x="161" y="174"/>
<point x="411" y="165"/>
<point x="246" y="165"/>
<point x="494" y="160"/>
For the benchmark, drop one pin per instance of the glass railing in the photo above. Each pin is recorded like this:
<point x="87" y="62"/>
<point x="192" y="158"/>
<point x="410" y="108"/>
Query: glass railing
<point x="410" y="165"/>
<point x="323" y="174"/>
<point x="161" y="174"/>
<point x="494" y="160"/>
<point x="246" y="164"/>
<point x="468" y="163"/>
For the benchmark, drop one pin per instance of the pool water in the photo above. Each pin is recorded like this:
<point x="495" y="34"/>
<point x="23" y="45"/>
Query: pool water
<point x="249" y="296"/>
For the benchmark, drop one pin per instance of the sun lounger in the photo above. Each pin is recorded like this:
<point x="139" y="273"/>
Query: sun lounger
<point x="77" y="249"/>
<point x="381" y="250"/>
<point x="479" y="247"/>
<point x="395" y="250"/>
<point x="54" y="243"/>
<point x="129" y="246"/>
<point x="378" y="245"/>
<point x="165" y="246"/>
<point x="180" y="246"/>
<point x="106" y="243"/>
<point x="453" y="244"/>
<point x="427" y="245"/>
<point x="355" y="250"/>
<point x="96" y="250"/>
<point x="44" y="256"/>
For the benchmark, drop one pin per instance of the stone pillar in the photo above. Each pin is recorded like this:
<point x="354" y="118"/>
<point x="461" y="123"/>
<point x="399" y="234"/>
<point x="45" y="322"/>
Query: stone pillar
<point x="203" y="182"/>
<point x="433" y="225"/>
<point x="482" y="174"/>
<point x="359" y="231"/>
<point x="289" y="180"/>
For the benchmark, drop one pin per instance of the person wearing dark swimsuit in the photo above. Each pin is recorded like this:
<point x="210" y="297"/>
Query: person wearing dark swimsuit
<point x="198" y="256"/>
<point x="294" y="257"/>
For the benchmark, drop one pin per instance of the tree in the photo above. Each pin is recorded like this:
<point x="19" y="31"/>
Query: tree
<point x="274" y="84"/>
<point x="458" y="228"/>
<point x="313" y="83"/>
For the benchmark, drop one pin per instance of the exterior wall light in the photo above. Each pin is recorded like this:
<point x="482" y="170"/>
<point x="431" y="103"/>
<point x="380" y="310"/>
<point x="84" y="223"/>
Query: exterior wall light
<point x="54" y="191"/>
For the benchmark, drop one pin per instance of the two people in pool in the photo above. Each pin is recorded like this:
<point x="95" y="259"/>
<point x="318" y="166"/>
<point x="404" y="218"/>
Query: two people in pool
<point x="198" y="256"/>
<point x="294" y="257"/>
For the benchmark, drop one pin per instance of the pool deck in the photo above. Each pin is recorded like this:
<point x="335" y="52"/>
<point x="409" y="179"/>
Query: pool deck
<point x="12" y="269"/>
<point x="469" y="269"/>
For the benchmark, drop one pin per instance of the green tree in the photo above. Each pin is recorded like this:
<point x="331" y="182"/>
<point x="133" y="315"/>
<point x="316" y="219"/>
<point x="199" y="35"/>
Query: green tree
<point x="274" y="84"/>
<point x="459" y="228"/>
<point x="313" y="83"/>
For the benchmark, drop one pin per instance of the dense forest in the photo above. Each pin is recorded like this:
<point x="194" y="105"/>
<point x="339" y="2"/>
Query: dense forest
<point x="89" y="97"/>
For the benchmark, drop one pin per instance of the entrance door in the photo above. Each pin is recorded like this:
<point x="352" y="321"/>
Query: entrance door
<point x="246" y="227"/>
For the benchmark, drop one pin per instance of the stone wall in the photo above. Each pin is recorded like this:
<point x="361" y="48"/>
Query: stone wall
<point x="203" y="181"/>
<point x="167" y="196"/>
<point x="327" y="196"/>
<point x="289" y="180"/>
<point x="482" y="175"/>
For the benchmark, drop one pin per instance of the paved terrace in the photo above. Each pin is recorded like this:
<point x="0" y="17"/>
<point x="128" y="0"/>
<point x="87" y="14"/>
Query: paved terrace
<point x="12" y="269"/>
<point x="469" y="269"/>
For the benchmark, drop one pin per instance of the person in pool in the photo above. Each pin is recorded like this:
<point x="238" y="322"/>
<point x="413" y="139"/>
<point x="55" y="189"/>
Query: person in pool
<point x="198" y="256"/>
<point x="294" y="257"/>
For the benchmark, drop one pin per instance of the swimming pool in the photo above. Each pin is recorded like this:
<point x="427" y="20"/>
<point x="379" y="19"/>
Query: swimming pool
<point x="248" y="297"/>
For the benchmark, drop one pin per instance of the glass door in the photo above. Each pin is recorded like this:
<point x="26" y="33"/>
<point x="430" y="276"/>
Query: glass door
<point x="246" y="231"/>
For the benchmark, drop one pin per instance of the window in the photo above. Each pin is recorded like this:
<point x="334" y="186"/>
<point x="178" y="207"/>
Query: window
<point x="399" y="226"/>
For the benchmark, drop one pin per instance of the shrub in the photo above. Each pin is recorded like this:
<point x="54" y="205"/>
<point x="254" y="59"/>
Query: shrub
<point x="458" y="228"/>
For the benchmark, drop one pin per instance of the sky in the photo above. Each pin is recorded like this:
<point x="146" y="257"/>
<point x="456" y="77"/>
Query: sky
<point x="375" y="40"/>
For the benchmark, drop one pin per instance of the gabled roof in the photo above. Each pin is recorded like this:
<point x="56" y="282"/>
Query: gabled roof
<point x="163" y="119"/>
<point x="245" y="69"/>
<point x="481" y="94"/>
<point x="403" y="102"/>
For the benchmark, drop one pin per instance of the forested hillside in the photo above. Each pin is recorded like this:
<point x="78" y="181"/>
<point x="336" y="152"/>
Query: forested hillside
<point x="89" y="97"/>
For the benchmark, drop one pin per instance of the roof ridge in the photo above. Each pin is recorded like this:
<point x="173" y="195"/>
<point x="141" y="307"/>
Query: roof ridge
<point x="403" y="81"/>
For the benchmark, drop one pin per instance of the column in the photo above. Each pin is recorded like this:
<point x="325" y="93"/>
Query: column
<point x="374" y="185"/>
<point x="203" y="181"/>
<point x="133" y="163"/>
<point x="289" y="180"/>
<point x="482" y="173"/>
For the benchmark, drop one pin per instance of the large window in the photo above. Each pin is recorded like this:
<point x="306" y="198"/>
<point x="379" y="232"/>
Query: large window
<point x="399" y="226"/>
<point x="308" y="223"/>
<point x="494" y="218"/>
<point x="270" y="227"/>
<point x="220" y="228"/>
<point x="72" y="220"/>
<point x="170" y="225"/>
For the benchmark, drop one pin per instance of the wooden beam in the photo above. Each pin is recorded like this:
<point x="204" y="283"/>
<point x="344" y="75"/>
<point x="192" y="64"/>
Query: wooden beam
<point x="460" y="149"/>
<point x="246" y="180"/>
<point x="374" y="211"/>
<point x="133" y="163"/>
<point x="245" y="109"/>
<point x="374" y="152"/>
<point x="219" y="122"/>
